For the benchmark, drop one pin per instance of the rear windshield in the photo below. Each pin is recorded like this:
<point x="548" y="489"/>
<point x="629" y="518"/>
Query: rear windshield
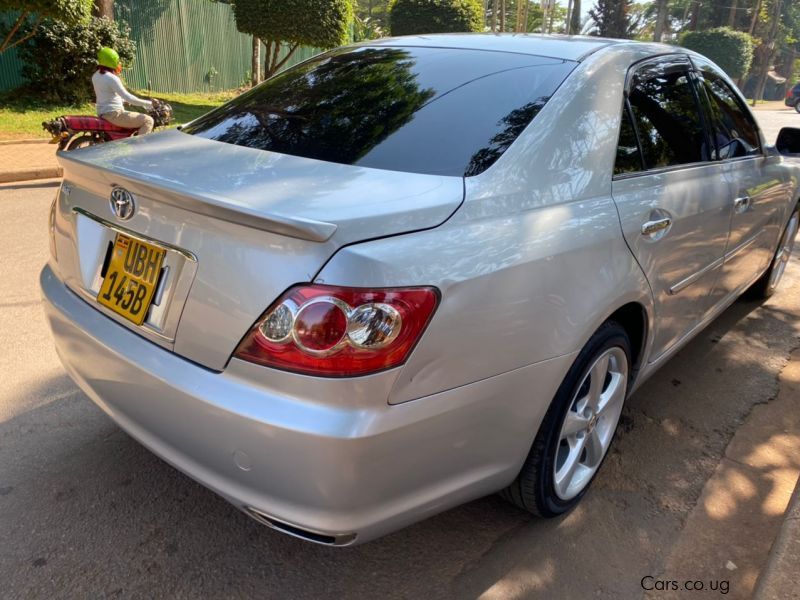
<point x="421" y="110"/>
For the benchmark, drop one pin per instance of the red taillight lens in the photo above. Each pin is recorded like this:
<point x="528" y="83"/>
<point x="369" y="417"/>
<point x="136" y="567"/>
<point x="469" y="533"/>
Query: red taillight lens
<point x="338" y="332"/>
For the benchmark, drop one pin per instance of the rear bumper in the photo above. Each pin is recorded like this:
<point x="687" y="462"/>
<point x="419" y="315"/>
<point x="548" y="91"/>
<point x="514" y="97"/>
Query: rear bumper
<point x="345" y="474"/>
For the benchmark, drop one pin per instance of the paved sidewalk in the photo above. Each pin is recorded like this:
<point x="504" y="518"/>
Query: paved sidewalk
<point x="20" y="161"/>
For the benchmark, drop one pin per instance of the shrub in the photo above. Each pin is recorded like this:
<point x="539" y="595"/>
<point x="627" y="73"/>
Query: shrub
<point x="409" y="17"/>
<point x="60" y="58"/>
<point x="731" y="50"/>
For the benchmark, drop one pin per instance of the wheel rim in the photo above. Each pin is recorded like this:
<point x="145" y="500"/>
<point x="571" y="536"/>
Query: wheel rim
<point x="784" y="251"/>
<point x="590" y="422"/>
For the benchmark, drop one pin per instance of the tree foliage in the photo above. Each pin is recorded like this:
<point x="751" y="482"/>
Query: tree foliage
<point x="30" y="13"/>
<point x="612" y="18"/>
<point x="409" y="17"/>
<point x="731" y="50"/>
<point x="294" y="23"/>
<point x="60" y="58"/>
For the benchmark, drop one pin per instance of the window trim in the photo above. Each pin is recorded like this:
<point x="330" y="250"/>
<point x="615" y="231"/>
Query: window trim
<point x="626" y="110"/>
<point x="633" y="69"/>
<point x="698" y="69"/>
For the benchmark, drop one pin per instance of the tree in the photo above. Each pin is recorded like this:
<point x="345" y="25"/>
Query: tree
<point x="29" y="15"/>
<point x="768" y="51"/>
<point x="574" y="26"/>
<point x="612" y="18"/>
<point x="408" y="17"/>
<point x="661" y="20"/>
<point x="103" y="8"/>
<point x="293" y="23"/>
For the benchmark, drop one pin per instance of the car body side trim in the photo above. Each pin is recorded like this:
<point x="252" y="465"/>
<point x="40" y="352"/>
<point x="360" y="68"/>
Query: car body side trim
<point x="683" y="284"/>
<point x="743" y="245"/>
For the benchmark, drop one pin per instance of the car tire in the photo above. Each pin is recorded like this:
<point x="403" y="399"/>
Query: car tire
<point x="543" y="487"/>
<point x="766" y="286"/>
<point x="797" y="106"/>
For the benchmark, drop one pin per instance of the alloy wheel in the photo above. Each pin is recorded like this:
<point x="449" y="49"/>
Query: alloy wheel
<point x="784" y="251"/>
<point x="590" y="422"/>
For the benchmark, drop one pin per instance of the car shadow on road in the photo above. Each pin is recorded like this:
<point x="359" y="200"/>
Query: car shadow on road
<point x="87" y="511"/>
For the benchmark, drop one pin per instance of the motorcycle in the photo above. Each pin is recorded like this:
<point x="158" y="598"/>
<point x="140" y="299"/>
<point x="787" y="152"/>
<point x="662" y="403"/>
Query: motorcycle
<point x="71" y="132"/>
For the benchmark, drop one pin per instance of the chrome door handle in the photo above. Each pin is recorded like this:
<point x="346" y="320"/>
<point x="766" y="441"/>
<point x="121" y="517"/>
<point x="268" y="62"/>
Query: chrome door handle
<point x="652" y="227"/>
<point x="742" y="204"/>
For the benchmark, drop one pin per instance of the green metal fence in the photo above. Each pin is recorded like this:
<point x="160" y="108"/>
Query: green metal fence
<point x="181" y="46"/>
<point x="10" y="64"/>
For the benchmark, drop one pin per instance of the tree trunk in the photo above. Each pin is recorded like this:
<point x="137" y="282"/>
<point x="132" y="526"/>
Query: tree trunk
<point x="769" y="51"/>
<point x="494" y="15"/>
<point x="568" y="21"/>
<point x="503" y="15"/>
<point x="575" y="18"/>
<point x="695" y="15"/>
<point x="661" y="20"/>
<point x="255" y="62"/>
<point x="732" y="13"/>
<point x="103" y="8"/>
<point x="267" y="55"/>
<point x="518" y="23"/>
<point x="525" y="17"/>
<point x="754" y="20"/>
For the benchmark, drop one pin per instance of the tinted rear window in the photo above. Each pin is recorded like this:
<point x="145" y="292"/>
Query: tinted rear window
<point x="422" y="110"/>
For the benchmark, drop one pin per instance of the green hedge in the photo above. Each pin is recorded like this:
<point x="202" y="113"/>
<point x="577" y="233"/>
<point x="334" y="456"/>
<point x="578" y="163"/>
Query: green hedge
<point x="731" y="50"/>
<point x="409" y="17"/>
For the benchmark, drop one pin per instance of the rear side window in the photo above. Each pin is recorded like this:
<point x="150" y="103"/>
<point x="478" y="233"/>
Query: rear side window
<point x="734" y="132"/>
<point x="667" y="116"/>
<point x="421" y="110"/>
<point x="629" y="159"/>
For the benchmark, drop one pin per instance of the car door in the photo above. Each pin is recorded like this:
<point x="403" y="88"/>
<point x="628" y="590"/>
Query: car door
<point x="672" y="198"/>
<point x="756" y="195"/>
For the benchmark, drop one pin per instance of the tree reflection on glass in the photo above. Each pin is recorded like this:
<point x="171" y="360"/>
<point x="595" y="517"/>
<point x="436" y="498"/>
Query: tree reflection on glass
<point x="317" y="110"/>
<point x="512" y="125"/>
<point x="442" y="111"/>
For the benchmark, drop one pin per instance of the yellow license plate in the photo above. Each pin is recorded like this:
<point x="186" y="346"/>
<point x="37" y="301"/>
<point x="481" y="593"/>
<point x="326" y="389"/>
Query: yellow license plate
<point x="131" y="278"/>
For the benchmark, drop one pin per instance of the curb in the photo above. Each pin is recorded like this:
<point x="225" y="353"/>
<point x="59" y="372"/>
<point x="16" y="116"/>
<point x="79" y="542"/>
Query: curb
<point x="35" y="141"/>
<point x="780" y="578"/>
<point x="32" y="173"/>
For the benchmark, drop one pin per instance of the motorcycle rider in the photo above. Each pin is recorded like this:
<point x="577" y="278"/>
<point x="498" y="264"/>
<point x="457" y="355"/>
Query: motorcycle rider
<point x="111" y="95"/>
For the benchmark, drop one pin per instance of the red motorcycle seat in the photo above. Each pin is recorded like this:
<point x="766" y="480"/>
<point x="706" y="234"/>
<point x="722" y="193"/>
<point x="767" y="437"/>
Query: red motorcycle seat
<point x="87" y="123"/>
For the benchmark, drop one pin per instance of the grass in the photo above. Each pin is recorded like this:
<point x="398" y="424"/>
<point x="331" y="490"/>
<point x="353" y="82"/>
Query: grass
<point x="21" y="116"/>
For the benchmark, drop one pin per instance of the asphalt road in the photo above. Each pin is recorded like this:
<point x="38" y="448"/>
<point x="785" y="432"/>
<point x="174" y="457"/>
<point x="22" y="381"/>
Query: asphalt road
<point x="85" y="511"/>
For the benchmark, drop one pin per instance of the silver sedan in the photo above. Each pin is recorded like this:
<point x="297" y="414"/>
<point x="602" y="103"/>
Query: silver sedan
<point x="412" y="272"/>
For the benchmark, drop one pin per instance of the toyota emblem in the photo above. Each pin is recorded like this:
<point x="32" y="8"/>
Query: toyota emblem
<point x="122" y="204"/>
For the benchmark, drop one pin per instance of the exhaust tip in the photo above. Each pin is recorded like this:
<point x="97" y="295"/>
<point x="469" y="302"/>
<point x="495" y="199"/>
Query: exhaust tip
<point x="341" y="539"/>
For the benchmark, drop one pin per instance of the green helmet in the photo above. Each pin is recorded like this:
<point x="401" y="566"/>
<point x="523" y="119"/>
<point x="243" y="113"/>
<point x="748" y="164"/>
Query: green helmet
<point x="108" y="57"/>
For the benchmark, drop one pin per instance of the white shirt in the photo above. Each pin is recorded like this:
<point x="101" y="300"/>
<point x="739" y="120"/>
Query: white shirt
<point x="111" y="94"/>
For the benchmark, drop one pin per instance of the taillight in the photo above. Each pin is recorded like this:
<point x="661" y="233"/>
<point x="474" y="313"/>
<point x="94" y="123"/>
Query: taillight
<point x="337" y="332"/>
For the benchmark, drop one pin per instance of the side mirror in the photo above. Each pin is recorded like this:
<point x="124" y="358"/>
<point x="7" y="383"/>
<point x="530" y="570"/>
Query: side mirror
<point x="788" y="142"/>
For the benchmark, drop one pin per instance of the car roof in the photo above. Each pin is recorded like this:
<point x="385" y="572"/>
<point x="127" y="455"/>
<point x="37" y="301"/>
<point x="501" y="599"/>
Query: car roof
<point x="568" y="47"/>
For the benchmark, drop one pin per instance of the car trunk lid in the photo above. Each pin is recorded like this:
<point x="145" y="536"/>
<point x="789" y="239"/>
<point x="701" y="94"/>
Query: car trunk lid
<point x="240" y="225"/>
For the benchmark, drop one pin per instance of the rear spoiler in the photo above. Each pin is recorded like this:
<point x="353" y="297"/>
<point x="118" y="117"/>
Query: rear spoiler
<point x="99" y="180"/>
